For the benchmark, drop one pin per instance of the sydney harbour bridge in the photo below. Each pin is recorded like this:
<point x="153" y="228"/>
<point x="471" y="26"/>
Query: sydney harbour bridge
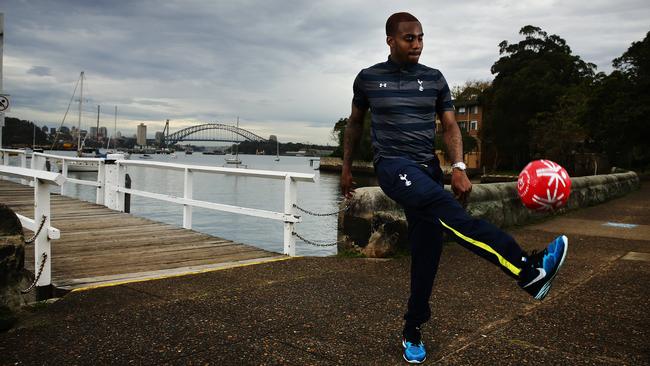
<point x="210" y="132"/>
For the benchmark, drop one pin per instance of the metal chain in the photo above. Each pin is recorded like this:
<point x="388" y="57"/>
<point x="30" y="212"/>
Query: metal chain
<point x="40" y="271"/>
<point x="321" y="214"/>
<point x="33" y="238"/>
<point x="313" y="242"/>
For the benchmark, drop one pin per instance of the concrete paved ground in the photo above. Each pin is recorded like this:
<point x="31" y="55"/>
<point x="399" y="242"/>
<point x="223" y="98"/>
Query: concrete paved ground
<point x="325" y="311"/>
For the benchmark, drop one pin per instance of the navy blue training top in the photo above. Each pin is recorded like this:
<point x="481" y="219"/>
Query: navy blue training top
<point x="403" y="102"/>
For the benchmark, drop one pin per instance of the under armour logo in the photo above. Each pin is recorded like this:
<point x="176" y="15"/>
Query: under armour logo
<point x="382" y="85"/>
<point x="406" y="181"/>
<point x="421" y="88"/>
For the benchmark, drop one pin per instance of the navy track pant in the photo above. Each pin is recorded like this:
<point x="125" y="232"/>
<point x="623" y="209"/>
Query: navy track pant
<point x="430" y="210"/>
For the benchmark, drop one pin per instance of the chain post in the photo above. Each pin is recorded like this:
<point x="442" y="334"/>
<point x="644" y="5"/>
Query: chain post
<point x="290" y="198"/>
<point x="42" y="242"/>
<point x="101" y="180"/>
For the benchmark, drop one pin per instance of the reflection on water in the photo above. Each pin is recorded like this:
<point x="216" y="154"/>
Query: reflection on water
<point x="267" y="194"/>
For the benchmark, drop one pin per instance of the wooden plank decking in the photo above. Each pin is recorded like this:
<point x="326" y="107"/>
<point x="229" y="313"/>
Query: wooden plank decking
<point x="100" y="246"/>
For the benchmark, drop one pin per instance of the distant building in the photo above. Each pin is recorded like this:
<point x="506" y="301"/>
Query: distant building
<point x="52" y="131"/>
<point x="273" y="138"/>
<point x="93" y="132"/>
<point x="45" y="129"/>
<point x="118" y="134"/>
<point x="141" y="137"/>
<point x="64" y="129"/>
<point x="160" y="137"/>
<point x="469" y="116"/>
<point x="102" y="132"/>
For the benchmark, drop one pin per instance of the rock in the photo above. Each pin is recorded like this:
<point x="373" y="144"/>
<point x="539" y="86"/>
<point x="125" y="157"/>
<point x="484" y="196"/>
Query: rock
<point x="13" y="276"/>
<point x="380" y="245"/>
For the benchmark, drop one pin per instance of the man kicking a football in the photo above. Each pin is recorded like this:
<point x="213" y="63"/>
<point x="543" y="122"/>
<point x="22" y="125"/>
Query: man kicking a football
<point x="404" y="97"/>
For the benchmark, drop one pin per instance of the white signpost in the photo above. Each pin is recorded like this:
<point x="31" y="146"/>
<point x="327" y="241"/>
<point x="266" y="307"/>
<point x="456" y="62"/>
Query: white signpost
<point x="3" y="108"/>
<point x="4" y="103"/>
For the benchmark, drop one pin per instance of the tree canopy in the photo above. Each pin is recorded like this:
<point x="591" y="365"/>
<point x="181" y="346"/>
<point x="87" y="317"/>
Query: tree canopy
<point x="536" y="89"/>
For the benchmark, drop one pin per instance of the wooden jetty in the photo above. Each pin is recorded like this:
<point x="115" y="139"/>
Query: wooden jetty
<point x="100" y="247"/>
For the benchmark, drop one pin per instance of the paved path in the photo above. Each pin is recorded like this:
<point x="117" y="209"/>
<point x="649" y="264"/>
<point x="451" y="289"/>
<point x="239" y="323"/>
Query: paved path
<point x="325" y="311"/>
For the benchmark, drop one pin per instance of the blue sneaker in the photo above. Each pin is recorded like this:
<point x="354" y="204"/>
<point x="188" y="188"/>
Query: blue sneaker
<point x="414" y="351"/>
<point x="544" y="266"/>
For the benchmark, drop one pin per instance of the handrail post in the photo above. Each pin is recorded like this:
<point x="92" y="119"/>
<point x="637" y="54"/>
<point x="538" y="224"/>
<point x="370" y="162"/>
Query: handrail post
<point x="101" y="180"/>
<point x="38" y="163"/>
<point x="42" y="244"/>
<point x="5" y="161"/>
<point x="111" y="182"/>
<point x="23" y="164"/>
<point x="187" y="194"/>
<point x="64" y="172"/>
<point x="290" y="198"/>
<point x="121" y="176"/>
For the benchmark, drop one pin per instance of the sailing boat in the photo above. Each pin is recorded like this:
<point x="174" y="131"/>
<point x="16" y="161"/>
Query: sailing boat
<point x="277" y="150"/>
<point x="235" y="160"/>
<point x="82" y="166"/>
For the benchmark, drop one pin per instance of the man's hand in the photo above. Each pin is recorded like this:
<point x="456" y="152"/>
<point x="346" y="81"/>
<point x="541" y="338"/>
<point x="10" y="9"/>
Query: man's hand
<point x="347" y="184"/>
<point x="460" y="185"/>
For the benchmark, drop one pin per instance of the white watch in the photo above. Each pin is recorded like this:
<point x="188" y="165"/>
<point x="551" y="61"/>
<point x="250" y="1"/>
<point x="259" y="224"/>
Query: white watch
<point x="460" y="166"/>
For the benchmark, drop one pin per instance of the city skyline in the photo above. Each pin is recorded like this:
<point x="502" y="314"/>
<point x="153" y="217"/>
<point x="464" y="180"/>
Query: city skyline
<point x="284" y="69"/>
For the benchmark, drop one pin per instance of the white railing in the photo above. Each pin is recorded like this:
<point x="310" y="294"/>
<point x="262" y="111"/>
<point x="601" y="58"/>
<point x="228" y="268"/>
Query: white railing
<point x="65" y="162"/>
<point x="6" y="153"/>
<point x="111" y="190"/>
<point x="115" y="191"/>
<point x="42" y="216"/>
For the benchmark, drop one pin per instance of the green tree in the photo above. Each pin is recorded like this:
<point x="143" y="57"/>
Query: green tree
<point x="18" y="132"/>
<point x="619" y="107"/>
<point x="471" y="90"/>
<point x="532" y="77"/>
<point x="364" y="149"/>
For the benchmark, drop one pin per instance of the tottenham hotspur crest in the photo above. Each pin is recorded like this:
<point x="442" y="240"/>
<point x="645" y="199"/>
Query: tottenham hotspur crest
<point x="406" y="181"/>
<point x="421" y="88"/>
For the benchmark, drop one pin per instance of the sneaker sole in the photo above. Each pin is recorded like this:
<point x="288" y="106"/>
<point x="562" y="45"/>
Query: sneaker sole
<point x="547" y="286"/>
<point x="411" y="361"/>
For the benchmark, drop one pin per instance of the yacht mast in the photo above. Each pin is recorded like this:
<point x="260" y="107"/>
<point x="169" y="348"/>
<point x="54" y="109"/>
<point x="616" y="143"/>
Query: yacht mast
<point x="81" y="98"/>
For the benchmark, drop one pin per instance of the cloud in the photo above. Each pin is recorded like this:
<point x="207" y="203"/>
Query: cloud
<point x="40" y="71"/>
<point x="285" y="67"/>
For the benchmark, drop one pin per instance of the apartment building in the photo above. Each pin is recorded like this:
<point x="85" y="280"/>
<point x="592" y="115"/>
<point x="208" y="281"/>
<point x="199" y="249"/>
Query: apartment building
<point x="469" y="116"/>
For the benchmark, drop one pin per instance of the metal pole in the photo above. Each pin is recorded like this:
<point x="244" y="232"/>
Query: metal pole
<point x="81" y="98"/>
<point x="115" y="131"/>
<point x="97" y="130"/>
<point x="2" y="37"/>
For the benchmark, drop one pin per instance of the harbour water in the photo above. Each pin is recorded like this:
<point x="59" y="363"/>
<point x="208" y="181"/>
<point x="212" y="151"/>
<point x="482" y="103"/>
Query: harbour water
<point x="323" y="197"/>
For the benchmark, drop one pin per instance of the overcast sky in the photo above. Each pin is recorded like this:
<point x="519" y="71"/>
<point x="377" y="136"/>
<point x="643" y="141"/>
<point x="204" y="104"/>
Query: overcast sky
<point x="283" y="67"/>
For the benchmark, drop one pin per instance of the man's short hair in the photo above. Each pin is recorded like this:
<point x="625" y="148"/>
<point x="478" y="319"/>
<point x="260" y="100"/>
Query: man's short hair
<point x="393" y="21"/>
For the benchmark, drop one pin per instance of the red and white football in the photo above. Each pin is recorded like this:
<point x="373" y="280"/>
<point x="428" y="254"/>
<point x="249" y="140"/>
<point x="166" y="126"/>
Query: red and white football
<point x="544" y="185"/>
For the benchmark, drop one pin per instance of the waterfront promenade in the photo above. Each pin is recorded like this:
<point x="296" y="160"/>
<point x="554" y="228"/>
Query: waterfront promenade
<point x="326" y="311"/>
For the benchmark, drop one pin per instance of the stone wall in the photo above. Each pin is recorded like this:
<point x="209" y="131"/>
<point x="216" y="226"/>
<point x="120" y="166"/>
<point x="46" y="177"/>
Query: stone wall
<point x="13" y="276"/>
<point x="376" y="226"/>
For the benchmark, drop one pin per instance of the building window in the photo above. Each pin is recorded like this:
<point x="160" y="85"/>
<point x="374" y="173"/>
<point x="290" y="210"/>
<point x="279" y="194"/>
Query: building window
<point x="461" y="110"/>
<point x="474" y="109"/>
<point x="473" y="125"/>
<point x="462" y="125"/>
